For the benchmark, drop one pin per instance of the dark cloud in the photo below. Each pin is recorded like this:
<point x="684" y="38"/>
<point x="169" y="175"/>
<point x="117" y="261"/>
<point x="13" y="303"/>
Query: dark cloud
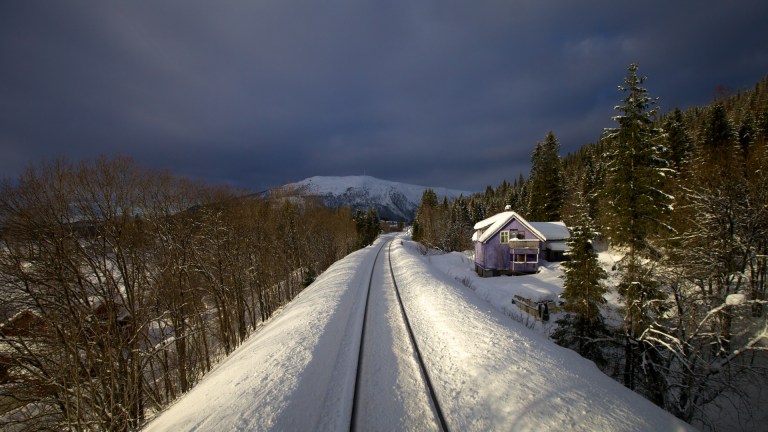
<point x="255" y="94"/>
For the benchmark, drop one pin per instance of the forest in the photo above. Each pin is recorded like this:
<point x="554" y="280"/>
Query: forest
<point x="682" y="197"/>
<point x="122" y="286"/>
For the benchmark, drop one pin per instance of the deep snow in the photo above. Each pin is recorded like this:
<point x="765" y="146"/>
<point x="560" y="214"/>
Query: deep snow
<point x="490" y="371"/>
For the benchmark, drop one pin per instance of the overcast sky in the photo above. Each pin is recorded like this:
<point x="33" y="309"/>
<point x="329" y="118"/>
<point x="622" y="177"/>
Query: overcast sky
<point x="259" y="93"/>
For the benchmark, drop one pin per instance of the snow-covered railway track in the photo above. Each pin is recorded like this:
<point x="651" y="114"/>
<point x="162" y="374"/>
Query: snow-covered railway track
<point x="490" y="373"/>
<point x="392" y="384"/>
<point x="430" y="388"/>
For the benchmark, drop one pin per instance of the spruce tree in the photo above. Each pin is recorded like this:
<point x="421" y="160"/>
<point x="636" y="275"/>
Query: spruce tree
<point x="583" y="292"/>
<point x="636" y="204"/>
<point x="460" y="231"/>
<point x="590" y="184"/>
<point x="679" y="143"/>
<point x="747" y="134"/>
<point x="720" y="133"/>
<point x="546" y="181"/>
<point x="523" y="194"/>
<point x="424" y="225"/>
<point x="368" y="226"/>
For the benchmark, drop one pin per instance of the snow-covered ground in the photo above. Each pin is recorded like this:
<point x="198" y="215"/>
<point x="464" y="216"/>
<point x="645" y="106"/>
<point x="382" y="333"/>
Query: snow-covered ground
<point x="490" y="371"/>
<point x="547" y="285"/>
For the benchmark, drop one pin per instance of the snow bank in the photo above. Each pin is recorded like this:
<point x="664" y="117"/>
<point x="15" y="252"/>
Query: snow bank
<point x="283" y="377"/>
<point x="735" y="299"/>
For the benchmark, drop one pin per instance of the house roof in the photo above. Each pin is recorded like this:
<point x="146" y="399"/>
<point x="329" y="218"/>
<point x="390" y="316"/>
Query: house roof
<point x="23" y="323"/>
<point x="544" y="231"/>
<point x="492" y="225"/>
<point x="560" y="246"/>
<point x="552" y="230"/>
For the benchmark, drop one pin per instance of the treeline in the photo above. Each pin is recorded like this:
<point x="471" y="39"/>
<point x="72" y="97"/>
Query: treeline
<point x="447" y="226"/>
<point x="121" y="287"/>
<point x="368" y="227"/>
<point x="682" y="197"/>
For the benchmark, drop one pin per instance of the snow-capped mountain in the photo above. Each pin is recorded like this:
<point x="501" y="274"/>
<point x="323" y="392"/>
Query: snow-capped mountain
<point x="392" y="200"/>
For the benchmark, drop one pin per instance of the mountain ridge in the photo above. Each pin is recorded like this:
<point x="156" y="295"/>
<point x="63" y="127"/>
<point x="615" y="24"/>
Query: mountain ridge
<point x="392" y="200"/>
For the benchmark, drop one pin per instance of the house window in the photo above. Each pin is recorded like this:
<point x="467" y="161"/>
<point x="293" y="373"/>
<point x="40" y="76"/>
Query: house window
<point x="505" y="236"/>
<point x="521" y="235"/>
<point x="525" y="258"/>
<point x="517" y="234"/>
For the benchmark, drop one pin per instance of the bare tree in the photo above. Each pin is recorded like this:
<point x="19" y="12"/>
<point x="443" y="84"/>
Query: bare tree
<point x="122" y="285"/>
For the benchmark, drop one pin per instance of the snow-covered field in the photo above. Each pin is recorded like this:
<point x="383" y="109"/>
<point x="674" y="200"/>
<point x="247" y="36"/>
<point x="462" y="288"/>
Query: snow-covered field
<point x="500" y="291"/>
<point x="490" y="371"/>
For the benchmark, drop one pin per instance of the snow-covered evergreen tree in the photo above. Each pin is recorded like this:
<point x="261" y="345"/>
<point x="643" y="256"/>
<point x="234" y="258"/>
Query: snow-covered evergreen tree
<point x="679" y="145"/>
<point x="583" y="292"/>
<point x="422" y="225"/>
<point x="546" y="181"/>
<point x="368" y="226"/>
<point x="636" y="204"/>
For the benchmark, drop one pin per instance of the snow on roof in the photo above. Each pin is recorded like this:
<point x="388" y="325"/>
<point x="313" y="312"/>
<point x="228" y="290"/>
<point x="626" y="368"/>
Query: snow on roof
<point x="18" y="315"/>
<point x="493" y="224"/>
<point x="552" y="230"/>
<point x="545" y="231"/>
<point x="493" y="219"/>
<point x="558" y="246"/>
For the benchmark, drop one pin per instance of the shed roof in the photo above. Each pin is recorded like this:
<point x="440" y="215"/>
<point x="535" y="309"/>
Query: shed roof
<point x="560" y="246"/>
<point x="552" y="230"/>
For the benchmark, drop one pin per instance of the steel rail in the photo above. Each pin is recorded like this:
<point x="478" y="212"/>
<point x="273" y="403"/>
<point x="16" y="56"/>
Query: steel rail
<point x="419" y="357"/>
<point x="356" y="394"/>
<point x="440" y="417"/>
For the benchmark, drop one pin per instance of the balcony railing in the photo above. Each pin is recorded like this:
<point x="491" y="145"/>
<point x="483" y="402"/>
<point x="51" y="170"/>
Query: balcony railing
<point x="524" y="244"/>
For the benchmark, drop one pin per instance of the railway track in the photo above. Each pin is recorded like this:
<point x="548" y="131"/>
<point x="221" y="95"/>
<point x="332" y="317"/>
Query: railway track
<point x="391" y="381"/>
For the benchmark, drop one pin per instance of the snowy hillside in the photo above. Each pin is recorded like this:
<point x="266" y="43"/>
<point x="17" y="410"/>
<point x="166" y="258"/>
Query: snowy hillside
<point x="393" y="200"/>
<point x="492" y="373"/>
